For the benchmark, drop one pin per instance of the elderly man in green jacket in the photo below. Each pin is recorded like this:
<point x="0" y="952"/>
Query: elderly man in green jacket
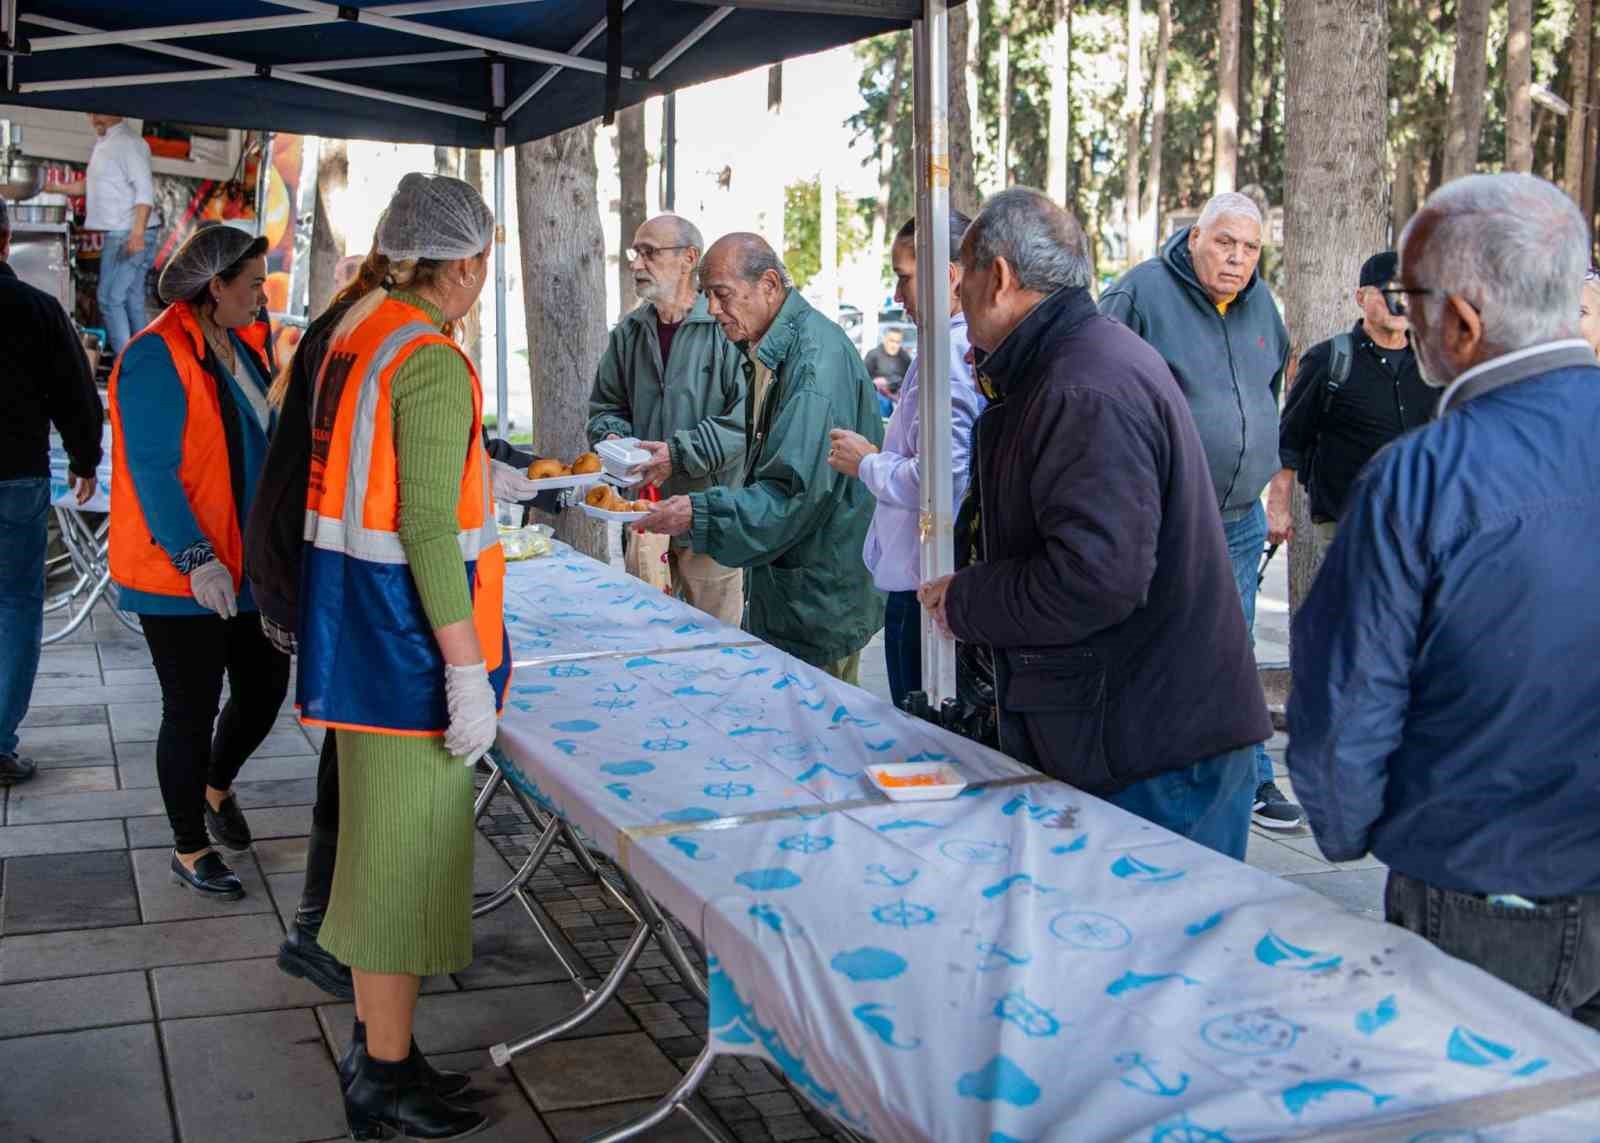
<point x="670" y="377"/>
<point x="795" y="523"/>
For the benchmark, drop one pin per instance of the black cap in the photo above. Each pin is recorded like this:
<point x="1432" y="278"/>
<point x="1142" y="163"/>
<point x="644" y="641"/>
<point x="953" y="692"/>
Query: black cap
<point x="1380" y="269"/>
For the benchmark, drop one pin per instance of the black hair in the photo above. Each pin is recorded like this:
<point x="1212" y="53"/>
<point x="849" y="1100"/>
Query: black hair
<point x="256" y="249"/>
<point x="958" y="230"/>
<point x="5" y="221"/>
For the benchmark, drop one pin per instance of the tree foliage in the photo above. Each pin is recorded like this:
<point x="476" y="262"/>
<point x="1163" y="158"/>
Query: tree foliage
<point x="802" y="226"/>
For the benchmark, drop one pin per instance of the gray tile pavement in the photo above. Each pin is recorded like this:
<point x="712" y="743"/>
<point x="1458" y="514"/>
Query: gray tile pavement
<point x="76" y="1087"/>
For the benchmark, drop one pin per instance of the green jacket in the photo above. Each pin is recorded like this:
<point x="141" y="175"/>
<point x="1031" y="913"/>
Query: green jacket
<point x="796" y="523"/>
<point x="697" y="408"/>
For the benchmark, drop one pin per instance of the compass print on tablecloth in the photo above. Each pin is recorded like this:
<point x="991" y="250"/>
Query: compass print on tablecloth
<point x="903" y="914"/>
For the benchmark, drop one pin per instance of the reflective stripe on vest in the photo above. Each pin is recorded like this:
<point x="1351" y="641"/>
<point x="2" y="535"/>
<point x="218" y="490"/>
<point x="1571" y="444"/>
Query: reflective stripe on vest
<point x="369" y="658"/>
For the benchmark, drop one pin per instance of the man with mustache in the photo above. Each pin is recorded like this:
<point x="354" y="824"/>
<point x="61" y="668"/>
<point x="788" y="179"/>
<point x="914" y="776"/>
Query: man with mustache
<point x="671" y="377"/>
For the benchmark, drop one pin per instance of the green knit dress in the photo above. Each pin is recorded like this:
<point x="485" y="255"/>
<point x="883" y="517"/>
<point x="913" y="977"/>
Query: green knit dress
<point x="402" y="887"/>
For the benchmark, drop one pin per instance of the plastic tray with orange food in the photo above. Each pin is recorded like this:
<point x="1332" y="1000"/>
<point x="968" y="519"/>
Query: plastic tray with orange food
<point x="917" y="781"/>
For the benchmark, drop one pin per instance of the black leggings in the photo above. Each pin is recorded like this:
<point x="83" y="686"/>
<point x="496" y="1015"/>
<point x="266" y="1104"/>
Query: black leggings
<point x="191" y="652"/>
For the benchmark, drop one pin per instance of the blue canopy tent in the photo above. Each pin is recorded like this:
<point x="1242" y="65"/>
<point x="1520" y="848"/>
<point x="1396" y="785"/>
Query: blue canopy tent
<point x="484" y="73"/>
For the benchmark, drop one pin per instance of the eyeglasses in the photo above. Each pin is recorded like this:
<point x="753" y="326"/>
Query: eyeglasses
<point x="1395" y="297"/>
<point x="648" y="253"/>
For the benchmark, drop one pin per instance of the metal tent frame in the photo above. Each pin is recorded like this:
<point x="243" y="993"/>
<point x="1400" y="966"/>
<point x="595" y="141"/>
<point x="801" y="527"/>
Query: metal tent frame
<point x="54" y="57"/>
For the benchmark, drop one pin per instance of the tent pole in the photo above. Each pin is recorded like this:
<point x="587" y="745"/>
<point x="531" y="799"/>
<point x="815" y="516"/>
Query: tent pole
<point x="263" y="178"/>
<point x="671" y="112"/>
<point x="930" y="51"/>
<point x="502" y="417"/>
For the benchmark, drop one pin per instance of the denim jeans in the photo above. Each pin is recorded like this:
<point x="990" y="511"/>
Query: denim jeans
<point x="121" y="291"/>
<point x="1551" y="951"/>
<point x="1247" y="540"/>
<point x="1208" y="802"/>
<point x="902" y="643"/>
<point x="24" y="509"/>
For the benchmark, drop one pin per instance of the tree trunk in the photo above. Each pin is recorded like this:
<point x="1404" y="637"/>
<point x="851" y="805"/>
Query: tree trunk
<point x="633" y="165"/>
<point x="774" y="197"/>
<point x="1466" y="89"/>
<point x="1582" y="35"/>
<point x="1519" y="86"/>
<point x="1403" y="202"/>
<point x="1250" y="169"/>
<point x="963" y="171"/>
<point x="1225" y="167"/>
<point x="1591" y="131"/>
<point x="982" y="160"/>
<point x="1336" y="131"/>
<point x="1150" y="217"/>
<point x="1132" y="106"/>
<point x="1267" y="135"/>
<point x="1002" y="17"/>
<point x="563" y="288"/>
<point x="327" y="233"/>
<point x="1060" y="145"/>
<point x="472" y="326"/>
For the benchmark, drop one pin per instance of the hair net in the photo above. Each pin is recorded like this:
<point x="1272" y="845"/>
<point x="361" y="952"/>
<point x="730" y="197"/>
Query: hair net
<point x="436" y="217"/>
<point x="207" y="253"/>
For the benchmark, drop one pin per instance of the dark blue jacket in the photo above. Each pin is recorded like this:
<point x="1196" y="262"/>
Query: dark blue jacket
<point x="1104" y="587"/>
<point x="1445" y="711"/>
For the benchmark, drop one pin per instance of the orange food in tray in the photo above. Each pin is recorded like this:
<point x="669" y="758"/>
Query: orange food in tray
<point x="899" y="781"/>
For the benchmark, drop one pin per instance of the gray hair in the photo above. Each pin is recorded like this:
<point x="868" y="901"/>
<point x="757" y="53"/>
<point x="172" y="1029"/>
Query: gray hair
<point x="754" y="261"/>
<point x="1041" y="242"/>
<point x="1228" y="204"/>
<point x="1514" y="246"/>
<point x="685" y="233"/>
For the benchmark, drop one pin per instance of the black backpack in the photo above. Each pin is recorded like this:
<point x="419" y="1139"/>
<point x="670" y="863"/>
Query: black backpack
<point x="1342" y="355"/>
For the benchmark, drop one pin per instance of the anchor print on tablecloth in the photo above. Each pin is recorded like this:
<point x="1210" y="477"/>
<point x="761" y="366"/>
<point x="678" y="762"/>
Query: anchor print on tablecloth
<point x="880" y="874"/>
<point x="1036" y="1021"/>
<point x="662" y="722"/>
<point x="996" y="957"/>
<point x="727" y="765"/>
<point x="1144" y="1074"/>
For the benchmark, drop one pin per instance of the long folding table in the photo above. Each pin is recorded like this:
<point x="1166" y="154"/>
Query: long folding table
<point x="1022" y="963"/>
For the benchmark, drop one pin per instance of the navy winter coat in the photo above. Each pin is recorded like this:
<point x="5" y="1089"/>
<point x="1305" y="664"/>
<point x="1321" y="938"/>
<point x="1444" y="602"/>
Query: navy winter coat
<point x="1445" y="713"/>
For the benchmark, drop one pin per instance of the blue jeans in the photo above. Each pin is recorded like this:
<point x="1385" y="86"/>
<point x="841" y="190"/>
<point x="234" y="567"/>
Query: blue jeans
<point x="1247" y="541"/>
<point x="902" y="643"/>
<point x="121" y="291"/>
<point x="24" y="508"/>
<point x="1208" y="802"/>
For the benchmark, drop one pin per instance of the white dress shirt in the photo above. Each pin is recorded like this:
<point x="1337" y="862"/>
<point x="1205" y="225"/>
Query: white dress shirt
<point x="119" y="180"/>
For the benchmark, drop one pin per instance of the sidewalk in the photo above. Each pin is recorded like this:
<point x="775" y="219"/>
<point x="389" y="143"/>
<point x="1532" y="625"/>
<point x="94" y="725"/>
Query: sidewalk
<point x="132" y="1011"/>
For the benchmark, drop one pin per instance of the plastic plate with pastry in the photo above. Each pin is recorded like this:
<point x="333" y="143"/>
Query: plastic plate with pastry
<point x="917" y="781"/>
<point x="552" y="473"/>
<point x="604" y="502"/>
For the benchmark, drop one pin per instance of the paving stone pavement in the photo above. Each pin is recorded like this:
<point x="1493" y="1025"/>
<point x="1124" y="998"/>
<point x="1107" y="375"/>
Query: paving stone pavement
<point x="130" y="1010"/>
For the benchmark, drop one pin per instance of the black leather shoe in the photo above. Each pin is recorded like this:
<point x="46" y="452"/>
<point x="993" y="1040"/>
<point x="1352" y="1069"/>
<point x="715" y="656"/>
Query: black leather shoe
<point x="227" y="825"/>
<point x="387" y="1097"/>
<point x="446" y="1084"/>
<point x="211" y="878"/>
<point x="300" y="955"/>
<point x="14" y="768"/>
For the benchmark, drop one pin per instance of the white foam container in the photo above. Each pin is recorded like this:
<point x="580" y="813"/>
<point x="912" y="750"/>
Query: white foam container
<point x="950" y="784"/>
<point x="621" y="457"/>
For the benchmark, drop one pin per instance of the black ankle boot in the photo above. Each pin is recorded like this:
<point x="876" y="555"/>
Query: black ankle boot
<point x="300" y="955"/>
<point x="446" y="1084"/>
<point x="386" y="1097"/>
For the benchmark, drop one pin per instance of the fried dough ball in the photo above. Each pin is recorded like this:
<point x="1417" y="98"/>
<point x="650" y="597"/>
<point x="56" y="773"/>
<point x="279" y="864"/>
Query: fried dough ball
<point x="544" y="469"/>
<point x="586" y="462"/>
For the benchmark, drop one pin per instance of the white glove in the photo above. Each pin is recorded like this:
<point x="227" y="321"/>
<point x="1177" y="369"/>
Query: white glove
<point x="511" y="485"/>
<point x="211" y="584"/>
<point x="470" y="700"/>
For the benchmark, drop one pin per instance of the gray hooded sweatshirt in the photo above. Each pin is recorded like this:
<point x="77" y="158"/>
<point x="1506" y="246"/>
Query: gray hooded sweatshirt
<point x="1229" y="365"/>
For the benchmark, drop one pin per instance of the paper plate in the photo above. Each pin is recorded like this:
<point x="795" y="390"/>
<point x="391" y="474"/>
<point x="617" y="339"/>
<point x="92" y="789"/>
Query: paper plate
<point x="604" y="514"/>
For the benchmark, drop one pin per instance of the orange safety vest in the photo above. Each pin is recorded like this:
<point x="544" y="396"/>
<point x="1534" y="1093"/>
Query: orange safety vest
<point x="212" y="468"/>
<point x="368" y="657"/>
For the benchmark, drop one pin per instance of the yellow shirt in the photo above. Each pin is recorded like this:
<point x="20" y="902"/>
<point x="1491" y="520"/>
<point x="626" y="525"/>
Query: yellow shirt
<point x="1222" y="306"/>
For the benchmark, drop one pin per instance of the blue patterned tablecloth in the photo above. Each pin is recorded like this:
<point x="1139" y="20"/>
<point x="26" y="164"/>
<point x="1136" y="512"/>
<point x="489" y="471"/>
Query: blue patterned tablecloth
<point x="1023" y="963"/>
<point x="61" y="493"/>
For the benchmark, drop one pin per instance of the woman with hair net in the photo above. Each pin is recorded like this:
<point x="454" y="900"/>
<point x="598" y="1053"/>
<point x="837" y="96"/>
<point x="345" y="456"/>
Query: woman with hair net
<point x="190" y="418"/>
<point x="403" y="653"/>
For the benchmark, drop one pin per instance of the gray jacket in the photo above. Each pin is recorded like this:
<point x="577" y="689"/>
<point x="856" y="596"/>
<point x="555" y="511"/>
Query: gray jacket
<point x="1229" y="365"/>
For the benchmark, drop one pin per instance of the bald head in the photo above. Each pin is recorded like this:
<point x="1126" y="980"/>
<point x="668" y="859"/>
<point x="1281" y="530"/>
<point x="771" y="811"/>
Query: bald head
<point x="745" y="284"/>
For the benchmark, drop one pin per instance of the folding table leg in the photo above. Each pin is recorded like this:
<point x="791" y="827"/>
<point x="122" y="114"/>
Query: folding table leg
<point x="662" y="927"/>
<point x="675" y="1100"/>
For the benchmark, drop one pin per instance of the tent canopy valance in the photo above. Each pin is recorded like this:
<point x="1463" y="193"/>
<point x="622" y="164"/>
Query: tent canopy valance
<point x="417" y="72"/>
